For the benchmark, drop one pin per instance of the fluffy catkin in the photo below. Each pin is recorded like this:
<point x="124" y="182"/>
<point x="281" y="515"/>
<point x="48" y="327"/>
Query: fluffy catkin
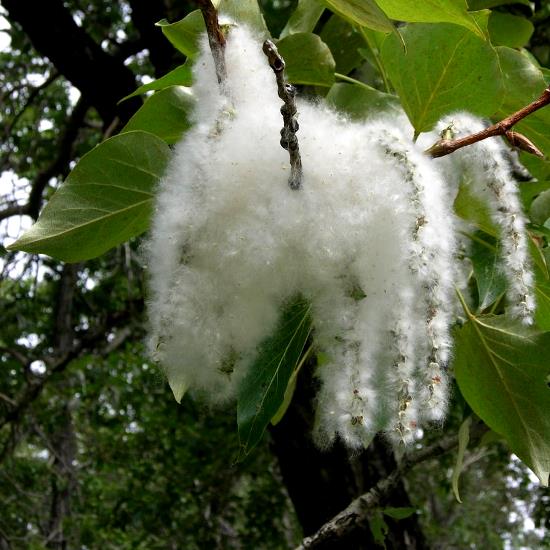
<point x="368" y="240"/>
<point x="487" y="167"/>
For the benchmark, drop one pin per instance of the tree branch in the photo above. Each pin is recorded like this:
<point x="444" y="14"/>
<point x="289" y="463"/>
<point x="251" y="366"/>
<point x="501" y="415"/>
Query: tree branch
<point x="357" y="512"/>
<point x="216" y="39"/>
<point x="101" y="78"/>
<point x="32" y="96"/>
<point x="503" y="128"/>
<point x="287" y="93"/>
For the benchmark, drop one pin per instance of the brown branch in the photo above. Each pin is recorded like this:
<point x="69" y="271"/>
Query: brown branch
<point x="447" y="146"/>
<point x="357" y="512"/>
<point x="216" y="39"/>
<point x="287" y="93"/>
<point x="101" y="78"/>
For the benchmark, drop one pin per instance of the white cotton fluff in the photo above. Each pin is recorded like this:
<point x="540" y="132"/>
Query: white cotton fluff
<point x="488" y="169"/>
<point x="368" y="240"/>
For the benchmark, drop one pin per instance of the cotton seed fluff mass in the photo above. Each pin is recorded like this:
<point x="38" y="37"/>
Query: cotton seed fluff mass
<point x="369" y="239"/>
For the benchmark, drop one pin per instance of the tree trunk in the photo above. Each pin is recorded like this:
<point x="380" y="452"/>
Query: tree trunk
<point x="321" y="484"/>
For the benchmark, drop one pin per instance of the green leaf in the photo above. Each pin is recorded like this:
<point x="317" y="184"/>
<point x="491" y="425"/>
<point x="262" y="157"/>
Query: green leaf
<point x="540" y="208"/>
<point x="436" y="75"/>
<point x="185" y="34"/>
<point x="510" y="30"/>
<point x="378" y="527"/>
<point x="165" y="114"/>
<point x="399" y="513"/>
<point x="365" y="13"/>
<point x="485" y="257"/>
<point x="501" y="368"/>
<point x="304" y="17"/>
<point x="344" y="42"/>
<point x="542" y="287"/>
<point x="178" y="389"/>
<point x="180" y="76"/>
<point x="471" y="208"/>
<point x="308" y="59"/>
<point x="531" y="189"/>
<point x="463" y="440"/>
<point x="523" y="82"/>
<point x="430" y="11"/>
<point x="262" y="391"/>
<point x="244" y="11"/>
<point x="476" y="5"/>
<point x="360" y="102"/>
<point x="106" y="200"/>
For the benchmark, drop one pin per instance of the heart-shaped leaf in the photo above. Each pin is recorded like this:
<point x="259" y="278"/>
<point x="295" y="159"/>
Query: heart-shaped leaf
<point x="502" y="369"/>
<point x="262" y="391"/>
<point x="105" y="200"/>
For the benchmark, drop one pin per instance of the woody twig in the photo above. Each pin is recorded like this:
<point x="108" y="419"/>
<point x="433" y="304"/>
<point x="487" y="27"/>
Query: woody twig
<point x="503" y="128"/>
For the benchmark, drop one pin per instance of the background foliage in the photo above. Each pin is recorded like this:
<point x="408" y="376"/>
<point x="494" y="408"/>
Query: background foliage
<point x="94" y="451"/>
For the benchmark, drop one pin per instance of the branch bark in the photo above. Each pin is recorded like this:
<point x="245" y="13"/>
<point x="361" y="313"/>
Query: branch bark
<point x="216" y="39"/>
<point x="503" y="128"/>
<point x="101" y="78"/>
<point x="357" y="512"/>
<point x="287" y="93"/>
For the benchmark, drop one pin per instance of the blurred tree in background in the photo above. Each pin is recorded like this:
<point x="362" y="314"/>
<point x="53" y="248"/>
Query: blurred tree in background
<point x="94" y="452"/>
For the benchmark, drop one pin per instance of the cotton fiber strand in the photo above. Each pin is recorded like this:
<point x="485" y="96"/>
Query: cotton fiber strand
<point x="369" y="239"/>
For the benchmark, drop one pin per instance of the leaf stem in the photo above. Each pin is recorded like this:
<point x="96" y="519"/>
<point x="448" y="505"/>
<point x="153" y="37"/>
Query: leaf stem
<point x="351" y="80"/>
<point x="216" y="39"/>
<point x="465" y="307"/>
<point x="379" y="65"/>
<point x="502" y="128"/>
<point x="480" y="241"/>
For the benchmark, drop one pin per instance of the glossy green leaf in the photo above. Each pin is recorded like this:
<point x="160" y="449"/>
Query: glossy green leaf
<point x="360" y="102"/>
<point x="344" y="42"/>
<point x="542" y="286"/>
<point x="540" y="208"/>
<point x="430" y="11"/>
<point x="178" y="389"/>
<point x="502" y="370"/>
<point x="435" y="75"/>
<point x="304" y="17"/>
<point x="180" y="76"/>
<point x="165" y="114"/>
<point x="185" y="34"/>
<point x="528" y="190"/>
<point x="106" y="200"/>
<point x="365" y="13"/>
<point x="244" y="11"/>
<point x="308" y="59"/>
<point x="399" y="513"/>
<point x="510" y="30"/>
<point x="262" y="391"/>
<point x="463" y="440"/>
<point x="378" y="527"/>
<point x="476" y="5"/>
<point x="486" y="261"/>
<point x="471" y="208"/>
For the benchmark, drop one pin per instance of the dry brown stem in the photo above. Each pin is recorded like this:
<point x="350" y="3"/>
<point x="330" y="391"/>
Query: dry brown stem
<point x="503" y="128"/>
<point x="287" y="93"/>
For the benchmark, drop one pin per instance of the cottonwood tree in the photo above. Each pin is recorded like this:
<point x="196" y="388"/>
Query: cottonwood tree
<point x="316" y="288"/>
